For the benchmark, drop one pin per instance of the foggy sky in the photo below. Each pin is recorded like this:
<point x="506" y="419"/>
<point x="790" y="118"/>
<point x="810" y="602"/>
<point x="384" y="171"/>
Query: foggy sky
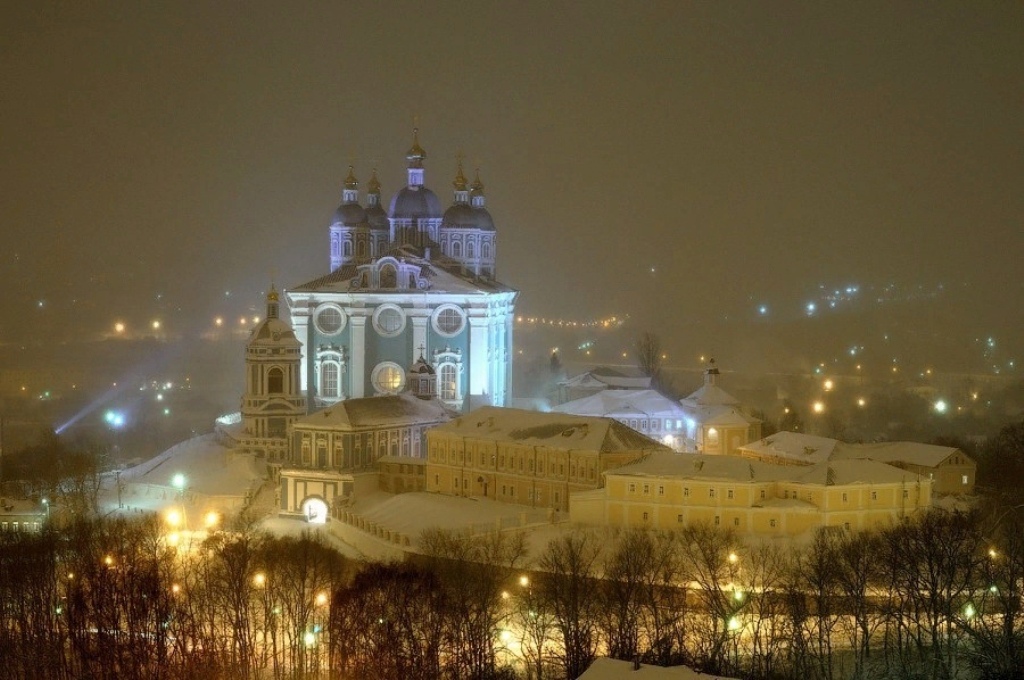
<point x="745" y="151"/>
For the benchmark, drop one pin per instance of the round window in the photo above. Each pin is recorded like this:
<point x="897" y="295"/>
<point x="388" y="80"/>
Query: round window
<point x="388" y="377"/>
<point x="449" y="320"/>
<point x="389" y="320"/>
<point x="329" y="320"/>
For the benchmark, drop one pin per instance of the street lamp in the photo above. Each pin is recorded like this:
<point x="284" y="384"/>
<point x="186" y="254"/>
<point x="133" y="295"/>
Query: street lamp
<point x="46" y="504"/>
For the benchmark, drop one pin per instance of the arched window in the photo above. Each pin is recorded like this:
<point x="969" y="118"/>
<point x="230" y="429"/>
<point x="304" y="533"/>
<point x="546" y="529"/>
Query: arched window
<point x="456" y="249"/>
<point x="487" y="250"/>
<point x="347" y="248"/>
<point x="448" y="382"/>
<point x="275" y="381"/>
<point x="470" y="250"/>
<point x="330" y="379"/>
<point x="361" y="247"/>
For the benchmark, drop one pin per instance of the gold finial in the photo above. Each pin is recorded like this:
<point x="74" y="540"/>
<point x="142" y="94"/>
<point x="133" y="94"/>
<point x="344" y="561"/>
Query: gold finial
<point x="373" y="186"/>
<point x="416" y="154"/>
<point x="351" y="182"/>
<point x="478" y="186"/>
<point x="460" y="179"/>
<point x="272" y="295"/>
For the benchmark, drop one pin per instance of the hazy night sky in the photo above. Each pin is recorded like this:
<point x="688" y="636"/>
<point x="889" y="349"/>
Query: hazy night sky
<point x="746" y="151"/>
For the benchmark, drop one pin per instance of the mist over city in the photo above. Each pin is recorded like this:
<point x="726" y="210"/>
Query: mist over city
<point x="464" y="293"/>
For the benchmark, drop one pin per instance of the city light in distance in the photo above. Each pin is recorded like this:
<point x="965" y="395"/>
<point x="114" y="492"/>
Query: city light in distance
<point x="818" y="407"/>
<point x="941" y="406"/>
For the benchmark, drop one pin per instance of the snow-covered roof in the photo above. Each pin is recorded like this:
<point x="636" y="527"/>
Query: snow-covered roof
<point x="794" y="446"/>
<point x="710" y="394"/>
<point x="809" y="449"/>
<point x="736" y="469"/>
<point x="209" y="467"/>
<point x="908" y="453"/>
<point x="442" y="275"/>
<point x="716" y="414"/>
<point x="553" y="430"/>
<point x="604" y="668"/>
<point x="368" y="412"/>
<point x="604" y="377"/>
<point x="623" y="403"/>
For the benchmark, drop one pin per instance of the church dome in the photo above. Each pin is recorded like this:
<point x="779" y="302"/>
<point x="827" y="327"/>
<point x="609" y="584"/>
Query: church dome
<point x="377" y="217"/>
<point x="459" y="215"/>
<point x="462" y="216"/>
<point x="349" y="215"/>
<point x="415" y="202"/>
<point x="483" y="219"/>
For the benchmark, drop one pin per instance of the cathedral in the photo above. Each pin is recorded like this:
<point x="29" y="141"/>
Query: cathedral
<point x="410" y="280"/>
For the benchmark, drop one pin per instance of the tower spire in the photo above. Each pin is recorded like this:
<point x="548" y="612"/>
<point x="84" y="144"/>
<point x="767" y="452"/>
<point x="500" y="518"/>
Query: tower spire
<point x="272" y="302"/>
<point x="477" y="193"/>
<point x="415" y="156"/>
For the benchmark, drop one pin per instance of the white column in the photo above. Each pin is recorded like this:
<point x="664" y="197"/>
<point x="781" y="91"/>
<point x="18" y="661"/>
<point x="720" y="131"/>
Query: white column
<point x="301" y="316"/>
<point x="479" y="370"/>
<point x="358" y="360"/>
<point x="419" y="333"/>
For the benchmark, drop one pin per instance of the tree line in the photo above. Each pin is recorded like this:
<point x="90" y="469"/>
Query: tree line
<point x="937" y="597"/>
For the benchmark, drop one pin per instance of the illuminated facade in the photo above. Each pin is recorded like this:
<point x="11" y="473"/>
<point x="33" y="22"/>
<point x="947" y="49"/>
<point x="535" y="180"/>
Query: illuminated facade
<point x="527" y="457"/>
<point x="272" y="399"/>
<point x="950" y="469"/>
<point x="330" y="450"/>
<point x="647" y="411"/>
<point x="409" y="281"/>
<point x="751" y="497"/>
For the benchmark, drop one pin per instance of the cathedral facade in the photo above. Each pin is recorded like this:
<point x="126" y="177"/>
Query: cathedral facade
<point x="413" y="279"/>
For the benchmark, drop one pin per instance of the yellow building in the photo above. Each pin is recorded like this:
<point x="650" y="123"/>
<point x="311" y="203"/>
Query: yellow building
<point x="526" y="457"/>
<point x="668" y="491"/>
<point x="950" y="469"/>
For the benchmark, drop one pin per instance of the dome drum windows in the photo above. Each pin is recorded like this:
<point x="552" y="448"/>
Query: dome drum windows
<point x="389" y="320"/>
<point x="448" y="320"/>
<point x="329" y="319"/>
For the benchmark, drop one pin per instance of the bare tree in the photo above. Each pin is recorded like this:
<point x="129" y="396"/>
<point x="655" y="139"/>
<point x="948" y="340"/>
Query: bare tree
<point x="473" y="571"/>
<point x="647" y="353"/>
<point x="705" y="552"/>
<point x="567" y="583"/>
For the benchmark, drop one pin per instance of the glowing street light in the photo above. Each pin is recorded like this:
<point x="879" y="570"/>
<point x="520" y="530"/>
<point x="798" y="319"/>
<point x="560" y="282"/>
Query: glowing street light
<point x="178" y="481"/>
<point x="119" y="327"/>
<point x="524" y="580"/>
<point x="819" y="407"/>
<point x="173" y="518"/>
<point x="114" y="418"/>
<point x="941" y="406"/>
<point x="259" y="579"/>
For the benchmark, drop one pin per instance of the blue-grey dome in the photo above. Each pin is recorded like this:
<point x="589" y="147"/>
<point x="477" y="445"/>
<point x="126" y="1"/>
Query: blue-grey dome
<point x="459" y="216"/>
<point x="463" y="216"/>
<point x="483" y="219"/>
<point x="376" y="216"/>
<point x="349" y="215"/>
<point x="415" y="202"/>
